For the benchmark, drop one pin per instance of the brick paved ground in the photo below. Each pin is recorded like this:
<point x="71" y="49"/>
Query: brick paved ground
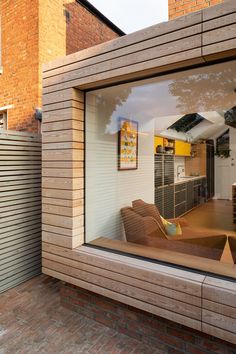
<point x="33" y="321"/>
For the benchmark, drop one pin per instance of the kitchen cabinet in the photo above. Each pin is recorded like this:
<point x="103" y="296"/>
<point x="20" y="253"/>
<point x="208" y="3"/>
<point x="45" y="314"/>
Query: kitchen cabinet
<point x="164" y="200"/>
<point x="210" y="169"/>
<point x="182" y="148"/>
<point x="163" y="170"/>
<point x="158" y="141"/>
<point x="180" y="199"/>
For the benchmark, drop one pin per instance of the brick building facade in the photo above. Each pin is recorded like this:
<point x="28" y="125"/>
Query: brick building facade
<point x="182" y="7"/>
<point x="34" y="32"/>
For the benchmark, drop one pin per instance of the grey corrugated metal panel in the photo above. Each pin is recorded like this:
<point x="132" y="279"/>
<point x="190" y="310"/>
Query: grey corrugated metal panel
<point x="18" y="241"/>
<point x="21" y="195"/>
<point x="14" y="213"/>
<point x="20" y="255"/>
<point x="19" y="218"/>
<point x="16" y="182"/>
<point x="20" y="278"/>
<point x="13" y="262"/>
<point x="18" y="187"/>
<point x="31" y="222"/>
<point x="20" y="192"/>
<point x="19" y="228"/>
<point x="11" y="271"/>
<point x="16" y="247"/>
<point x="18" y="252"/>
<point x="19" y="201"/>
<point x="24" y="204"/>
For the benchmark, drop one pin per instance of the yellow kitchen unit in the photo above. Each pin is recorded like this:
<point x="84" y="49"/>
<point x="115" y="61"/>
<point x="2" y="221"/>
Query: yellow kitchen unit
<point x="158" y="141"/>
<point x="182" y="148"/>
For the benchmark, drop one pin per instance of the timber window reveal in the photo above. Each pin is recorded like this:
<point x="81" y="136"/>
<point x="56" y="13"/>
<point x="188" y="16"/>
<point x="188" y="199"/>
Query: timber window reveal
<point x="3" y="121"/>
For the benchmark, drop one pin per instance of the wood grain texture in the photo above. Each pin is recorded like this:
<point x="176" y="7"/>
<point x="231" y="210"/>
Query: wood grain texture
<point x="20" y="207"/>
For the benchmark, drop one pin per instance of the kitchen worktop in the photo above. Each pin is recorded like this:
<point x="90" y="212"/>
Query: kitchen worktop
<point x="187" y="179"/>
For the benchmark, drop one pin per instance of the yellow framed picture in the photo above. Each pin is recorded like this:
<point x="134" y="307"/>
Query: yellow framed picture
<point x="127" y="144"/>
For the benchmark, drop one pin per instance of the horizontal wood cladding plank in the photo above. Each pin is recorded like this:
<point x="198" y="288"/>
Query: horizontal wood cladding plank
<point x="55" y="172"/>
<point x="220" y="10"/>
<point x="164" y="276"/>
<point x="225" y="310"/>
<point x="63" y="183"/>
<point x="136" y="37"/>
<point x="219" y="35"/>
<point x="219" y="333"/>
<point x="65" y="95"/>
<point x="70" y="135"/>
<point x="218" y="22"/>
<point x="64" y="114"/>
<point x="63" y="164"/>
<point x="125" y="287"/>
<point x="63" y="202"/>
<point x="121" y="52"/>
<point x="67" y="145"/>
<point x="132" y="58"/>
<point x="63" y="194"/>
<point x="66" y="124"/>
<point x="63" y="221"/>
<point x="63" y="155"/>
<point x="150" y="49"/>
<point x="64" y="241"/>
<point x="135" y="71"/>
<point x="223" y="296"/>
<point x="62" y="210"/>
<point x="63" y="231"/>
<point x="125" y="299"/>
<point x="219" y="320"/>
<point x="219" y="50"/>
<point x="62" y="105"/>
<point x="168" y="293"/>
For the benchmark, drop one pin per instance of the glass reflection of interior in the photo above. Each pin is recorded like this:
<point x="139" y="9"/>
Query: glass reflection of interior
<point x="161" y="168"/>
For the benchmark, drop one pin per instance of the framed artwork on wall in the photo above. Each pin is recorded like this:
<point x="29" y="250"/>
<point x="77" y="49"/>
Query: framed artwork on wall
<point x="127" y="144"/>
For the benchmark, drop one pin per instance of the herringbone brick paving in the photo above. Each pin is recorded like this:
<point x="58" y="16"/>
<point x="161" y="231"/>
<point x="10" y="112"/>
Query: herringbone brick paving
<point x="33" y="321"/>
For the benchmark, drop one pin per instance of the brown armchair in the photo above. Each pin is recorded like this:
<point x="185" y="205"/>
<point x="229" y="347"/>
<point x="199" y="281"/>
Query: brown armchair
<point x="232" y="245"/>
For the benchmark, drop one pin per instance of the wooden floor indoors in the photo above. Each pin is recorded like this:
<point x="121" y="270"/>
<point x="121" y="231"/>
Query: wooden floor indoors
<point x="216" y="215"/>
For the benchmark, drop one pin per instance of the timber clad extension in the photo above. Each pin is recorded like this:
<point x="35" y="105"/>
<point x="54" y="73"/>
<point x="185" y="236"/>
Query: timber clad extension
<point x="198" y="301"/>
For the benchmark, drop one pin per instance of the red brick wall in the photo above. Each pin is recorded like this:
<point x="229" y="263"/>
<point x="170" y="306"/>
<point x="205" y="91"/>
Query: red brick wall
<point x="33" y="32"/>
<point x="84" y="30"/>
<point x="182" y="7"/>
<point x="163" y="334"/>
<point x="19" y="81"/>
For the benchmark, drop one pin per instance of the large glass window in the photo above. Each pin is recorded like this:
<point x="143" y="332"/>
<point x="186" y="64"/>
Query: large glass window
<point x="156" y="185"/>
